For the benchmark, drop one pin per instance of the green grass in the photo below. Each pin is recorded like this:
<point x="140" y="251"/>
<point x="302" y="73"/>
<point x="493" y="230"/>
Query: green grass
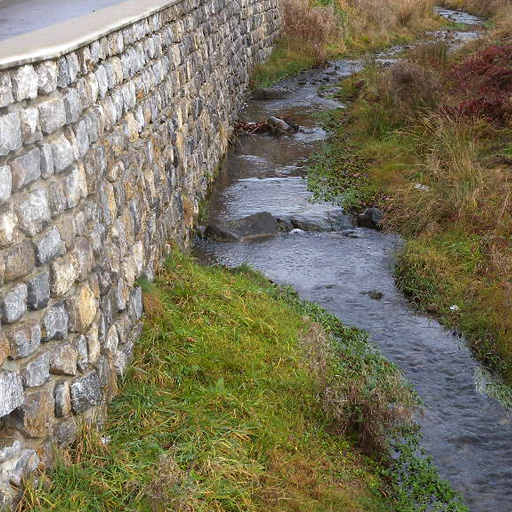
<point x="283" y="62"/>
<point x="243" y="398"/>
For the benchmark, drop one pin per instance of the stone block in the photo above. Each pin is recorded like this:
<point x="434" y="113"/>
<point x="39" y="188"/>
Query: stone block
<point x="82" y="138"/>
<point x="20" y="261"/>
<point x="83" y="307"/>
<point x="83" y="353"/>
<point x="72" y="106"/>
<point x="4" y="348"/>
<point x="112" y="339"/>
<point x="93" y="344"/>
<point x="63" y="359"/>
<point x="10" y="133"/>
<point x="24" y="465"/>
<point x="36" y="414"/>
<point x="14" y="304"/>
<point x="6" y="97"/>
<point x="67" y="229"/>
<point x="47" y="74"/>
<point x="62" y="397"/>
<point x="35" y="373"/>
<point x="73" y="66"/>
<point x="30" y="130"/>
<point x="63" y="79"/>
<point x="52" y="114"/>
<point x="8" y="227"/>
<point x="5" y="183"/>
<point x="65" y="432"/>
<point x="11" y="391"/>
<point x="57" y="197"/>
<point x="33" y="211"/>
<point x="56" y="322"/>
<point x="26" y="168"/>
<point x="46" y="160"/>
<point x="9" y="449"/>
<point x="38" y="290"/>
<point x="75" y="185"/>
<point x="101" y="77"/>
<point x="49" y="246"/>
<point x="24" y="339"/>
<point x="85" y="392"/>
<point x="62" y="152"/>
<point x="24" y="83"/>
<point x="84" y="256"/>
<point x="64" y="273"/>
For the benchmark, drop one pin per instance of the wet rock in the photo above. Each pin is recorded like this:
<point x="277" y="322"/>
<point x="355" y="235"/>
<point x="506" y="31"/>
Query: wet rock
<point x="258" y="225"/>
<point x="270" y="93"/>
<point x="280" y="126"/>
<point x="370" y="218"/>
<point x="374" y="294"/>
<point x="329" y="220"/>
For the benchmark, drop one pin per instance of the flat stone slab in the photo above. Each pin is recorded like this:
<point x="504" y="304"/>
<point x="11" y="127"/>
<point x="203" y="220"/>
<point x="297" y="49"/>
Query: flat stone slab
<point x="259" y="225"/>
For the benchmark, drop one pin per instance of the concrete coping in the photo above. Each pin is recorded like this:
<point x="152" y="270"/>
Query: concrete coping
<point x="56" y="40"/>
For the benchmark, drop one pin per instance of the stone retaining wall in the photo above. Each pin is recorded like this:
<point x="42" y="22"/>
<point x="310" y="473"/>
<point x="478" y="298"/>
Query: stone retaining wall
<point x="104" y="154"/>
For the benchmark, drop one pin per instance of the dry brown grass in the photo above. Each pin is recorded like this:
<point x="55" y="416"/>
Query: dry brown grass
<point x="311" y="28"/>
<point x="384" y="18"/>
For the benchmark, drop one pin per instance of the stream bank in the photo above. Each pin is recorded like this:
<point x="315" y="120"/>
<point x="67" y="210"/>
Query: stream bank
<point x="350" y="271"/>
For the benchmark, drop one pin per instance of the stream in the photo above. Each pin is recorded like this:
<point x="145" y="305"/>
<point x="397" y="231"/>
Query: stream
<point x="466" y="431"/>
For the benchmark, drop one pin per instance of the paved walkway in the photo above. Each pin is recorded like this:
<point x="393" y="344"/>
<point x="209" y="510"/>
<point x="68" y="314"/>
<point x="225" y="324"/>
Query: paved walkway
<point x="22" y="16"/>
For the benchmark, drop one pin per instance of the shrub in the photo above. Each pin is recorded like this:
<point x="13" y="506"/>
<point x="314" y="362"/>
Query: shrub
<point x="485" y="84"/>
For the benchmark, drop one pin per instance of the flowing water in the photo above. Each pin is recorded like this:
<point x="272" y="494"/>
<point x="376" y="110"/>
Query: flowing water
<point x="466" y="431"/>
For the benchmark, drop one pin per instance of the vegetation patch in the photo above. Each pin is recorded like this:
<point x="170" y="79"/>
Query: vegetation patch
<point x="317" y="30"/>
<point x="243" y="397"/>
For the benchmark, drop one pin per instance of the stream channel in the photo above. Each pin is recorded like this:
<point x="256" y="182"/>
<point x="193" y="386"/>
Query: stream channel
<point x="335" y="264"/>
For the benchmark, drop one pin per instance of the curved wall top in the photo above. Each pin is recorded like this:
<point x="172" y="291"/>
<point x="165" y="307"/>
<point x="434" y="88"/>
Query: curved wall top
<point x="56" y="40"/>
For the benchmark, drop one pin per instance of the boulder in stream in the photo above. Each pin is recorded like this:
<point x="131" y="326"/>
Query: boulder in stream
<point x="258" y="225"/>
<point x="370" y="218"/>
